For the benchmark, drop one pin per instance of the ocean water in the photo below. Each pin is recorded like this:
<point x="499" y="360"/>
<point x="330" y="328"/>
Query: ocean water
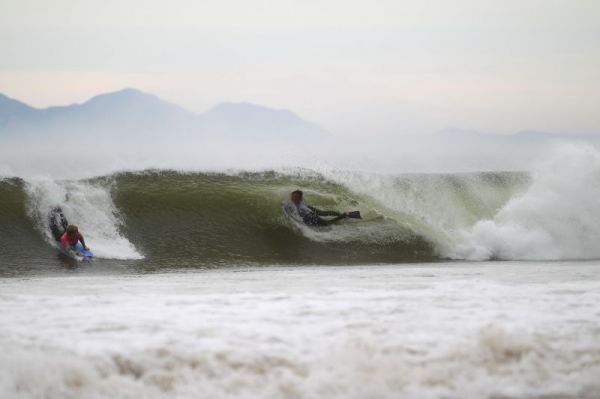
<point x="444" y="330"/>
<point x="454" y="285"/>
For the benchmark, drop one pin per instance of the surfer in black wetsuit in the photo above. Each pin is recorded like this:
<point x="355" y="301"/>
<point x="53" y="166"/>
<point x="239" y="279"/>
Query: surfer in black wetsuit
<point x="311" y="215"/>
<point x="57" y="222"/>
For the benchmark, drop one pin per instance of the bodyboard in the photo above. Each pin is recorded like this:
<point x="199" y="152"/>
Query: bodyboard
<point x="87" y="254"/>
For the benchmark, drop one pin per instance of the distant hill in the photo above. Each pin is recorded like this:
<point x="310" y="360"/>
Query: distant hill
<point x="228" y="119"/>
<point x="14" y="112"/>
<point x="135" y="113"/>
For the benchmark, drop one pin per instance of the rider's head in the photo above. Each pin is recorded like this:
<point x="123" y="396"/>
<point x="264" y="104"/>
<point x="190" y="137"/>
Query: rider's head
<point x="297" y="197"/>
<point x="72" y="230"/>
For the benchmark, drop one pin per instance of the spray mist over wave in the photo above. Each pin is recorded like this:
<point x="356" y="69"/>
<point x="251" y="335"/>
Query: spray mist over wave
<point x="116" y="151"/>
<point x="552" y="213"/>
<point x="437" y="206"/>
<point x="89" y="206"/>
<point x="557" y="217"/>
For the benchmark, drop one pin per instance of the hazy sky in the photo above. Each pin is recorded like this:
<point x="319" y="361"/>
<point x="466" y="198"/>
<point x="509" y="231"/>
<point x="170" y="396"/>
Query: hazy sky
<point x="351" y="66"/>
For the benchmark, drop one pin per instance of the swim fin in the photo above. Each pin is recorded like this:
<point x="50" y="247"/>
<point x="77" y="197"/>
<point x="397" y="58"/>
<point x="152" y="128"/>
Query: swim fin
<point x="354" y="215"/>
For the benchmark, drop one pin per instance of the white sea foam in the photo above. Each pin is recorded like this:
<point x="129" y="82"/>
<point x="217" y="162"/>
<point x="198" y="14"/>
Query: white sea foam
<point x="444" y="331"/>
<point x="88" y="205"/>
<point x="558" y="217"/>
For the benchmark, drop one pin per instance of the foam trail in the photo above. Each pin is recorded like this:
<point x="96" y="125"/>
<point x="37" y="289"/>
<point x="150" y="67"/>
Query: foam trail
<point x="558" y="217"/>
<point x="437" y="331"/>
<point x="89" y="206"/>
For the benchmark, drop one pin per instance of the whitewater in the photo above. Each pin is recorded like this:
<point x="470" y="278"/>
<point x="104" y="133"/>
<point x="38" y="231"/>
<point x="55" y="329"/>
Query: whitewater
<point x="480" y="284"/>
<point x="423" y="331"/>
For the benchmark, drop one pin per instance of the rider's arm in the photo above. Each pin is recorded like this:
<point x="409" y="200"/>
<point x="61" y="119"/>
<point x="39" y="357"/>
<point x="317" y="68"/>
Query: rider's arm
<point x="82" y="240"/>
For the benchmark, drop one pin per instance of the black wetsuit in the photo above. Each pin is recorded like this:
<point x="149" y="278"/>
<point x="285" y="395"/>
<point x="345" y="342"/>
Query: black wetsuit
<point x="312" y="216"/>
<point x="57" y="222"/>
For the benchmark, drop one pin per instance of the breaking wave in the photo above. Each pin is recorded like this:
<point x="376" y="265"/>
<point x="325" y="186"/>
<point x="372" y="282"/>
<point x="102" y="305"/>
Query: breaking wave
<point x="184" y="219"/>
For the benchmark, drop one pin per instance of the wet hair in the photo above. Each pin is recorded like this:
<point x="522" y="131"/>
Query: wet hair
<point x="72" y="229"/>
<point x="298" y="192"/>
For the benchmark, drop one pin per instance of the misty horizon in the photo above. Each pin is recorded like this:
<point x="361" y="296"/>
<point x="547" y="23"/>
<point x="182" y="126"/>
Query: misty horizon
<point x="241" y="136"/>
<point x="6" y="114"/>
<point x="389" y="68"/>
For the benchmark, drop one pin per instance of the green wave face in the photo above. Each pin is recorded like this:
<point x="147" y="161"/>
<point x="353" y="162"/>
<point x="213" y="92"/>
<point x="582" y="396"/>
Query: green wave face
<point x="186" y="220"/>
<point x="21" y="245"/>
<point x="158" y="220"/>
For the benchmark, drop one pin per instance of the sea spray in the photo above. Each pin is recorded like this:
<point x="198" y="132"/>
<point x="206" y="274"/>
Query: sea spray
<point x="557" y="217"/>
<point x="88" y="205"/>
<point x="436" y="206"/>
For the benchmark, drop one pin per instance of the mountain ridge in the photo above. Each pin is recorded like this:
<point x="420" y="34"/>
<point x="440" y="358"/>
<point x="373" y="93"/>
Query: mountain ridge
<point x="132" y="109"/>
